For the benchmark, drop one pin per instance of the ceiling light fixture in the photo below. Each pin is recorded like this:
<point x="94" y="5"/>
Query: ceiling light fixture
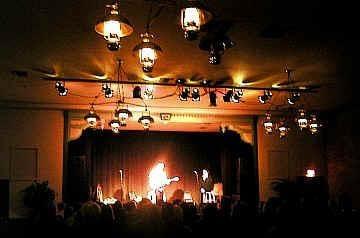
<point x="233" y="95"/>
<point x="268" y="124"/>
<point x="115" y="125"/>
<point x="212" y="98"/>
<point x="283" y="129"/>
<point x="293" y="98"/>
<point x="193" y="15"/>
<point x="301" y="119"/>
<point x="265" y="97"/>
<point x="146" y="120"/>
<point x="113" y="26"/>
<point x="195" y="94"/>
<point x="149" y="92"/>
<point x="60" y="88"/>
<point x="148" y="52"/>
<point x="137" y="92"/>
<point x="314" y="124"/>
<point x="123" y="114"/>
<point x="106" y="89"/>
<point x="185" y="92"/>
<point x="92" y="118"/>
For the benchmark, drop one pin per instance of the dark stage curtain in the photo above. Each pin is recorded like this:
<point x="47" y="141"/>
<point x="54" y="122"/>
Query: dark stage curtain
<point x="98" y="156"/>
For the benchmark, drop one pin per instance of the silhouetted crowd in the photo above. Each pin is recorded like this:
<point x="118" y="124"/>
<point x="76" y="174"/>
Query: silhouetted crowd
<point x="276" y="218"/>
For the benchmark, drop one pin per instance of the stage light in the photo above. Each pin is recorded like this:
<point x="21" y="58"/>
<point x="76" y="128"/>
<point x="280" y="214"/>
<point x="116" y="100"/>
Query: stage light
<point x="237" y="95"/>
<point x="268" y="124"/>
<point x="113" y="26"/>
<point x="60" y="88"/>
<point x="137" y="92"/>
<point x="301" y="119"/>
<point x="146" y="120"/>
<point x="283" y="129"/>
<point x="214" y="56"/>
<point x="148" y="52"/>
<point x="92" y="118"/>
<point x="193" y="16"/>
<point x="149" y="92"/>
<point x="184" y="94"/>
<point x="294" y="97"/>
<point x="233" y="95"/>
<point x="212" y="97"/>
<point x="195" y="95"/>
<point x="180" y="81"/>
<point x="115" y="125"/>
<point x="310" y="173"/>
<point x="123" y="114"/>
<point x="106" y="88"/>
<point x="265" y="97"/>
<point x="314" y="125"/>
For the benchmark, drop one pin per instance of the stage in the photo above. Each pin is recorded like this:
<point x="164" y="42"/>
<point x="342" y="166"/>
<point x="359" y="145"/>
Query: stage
<point x="121" y="163"/>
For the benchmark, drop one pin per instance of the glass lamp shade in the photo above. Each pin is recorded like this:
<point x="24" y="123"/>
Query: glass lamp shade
<point x="123" y="114"/>
<point x="147" y="52"/>
<point x="193" y="15"/>
<point x="301" y="120"/>
<point x="314" y="125"/>
<point x="268" y="124"/>
<point x="92" y="119"/>
<point x="283" y="129"/>
<point x="113" y="26"/>
<point x="115" y="125"/>
<point x="146" y="121"/>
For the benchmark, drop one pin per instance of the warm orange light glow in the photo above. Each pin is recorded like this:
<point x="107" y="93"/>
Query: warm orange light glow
<point x="310" y="173"/>
<point x="112" y="31"/>
<point x="191" y="20"/>
<point x="158" y="177"/>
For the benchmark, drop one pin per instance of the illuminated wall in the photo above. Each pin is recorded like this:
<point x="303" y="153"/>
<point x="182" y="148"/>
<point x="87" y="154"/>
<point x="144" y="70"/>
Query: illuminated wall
<point x="288" y="157"/>
<point x="31" y="147"/>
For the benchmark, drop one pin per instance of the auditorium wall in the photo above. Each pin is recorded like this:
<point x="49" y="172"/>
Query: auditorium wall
<point x="31" y="147"/>
<point x="288" y="158"/>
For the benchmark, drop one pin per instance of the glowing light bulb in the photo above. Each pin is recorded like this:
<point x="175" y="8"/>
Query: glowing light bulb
<point x="191" y="19"/>
<point x="112" y="31"/>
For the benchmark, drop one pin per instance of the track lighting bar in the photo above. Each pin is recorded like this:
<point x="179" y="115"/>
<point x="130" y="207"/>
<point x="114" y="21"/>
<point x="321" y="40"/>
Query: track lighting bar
<point x="309" y="89"/>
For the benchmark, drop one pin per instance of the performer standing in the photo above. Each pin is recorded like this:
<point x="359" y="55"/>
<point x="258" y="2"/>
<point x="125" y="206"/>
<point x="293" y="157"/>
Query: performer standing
<point x="206" y="187"/>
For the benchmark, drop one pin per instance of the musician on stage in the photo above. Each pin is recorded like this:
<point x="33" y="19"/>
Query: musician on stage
<point x="206" y="187"/>
<point x="158" y="180"/>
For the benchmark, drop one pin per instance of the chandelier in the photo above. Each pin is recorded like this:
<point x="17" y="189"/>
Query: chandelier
<point x="113" y="26"/>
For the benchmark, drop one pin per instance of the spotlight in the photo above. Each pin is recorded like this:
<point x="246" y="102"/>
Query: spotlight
<point x="293" y="98"/>
<point x="195" y="95"/>
<point x="301" y="119"/>
<point x="113" y="46"/>
<point x="233" y="95"/>
<point x="137" y="92"/>
<point x="115" y="125"/>
<point x="149" y="92"/>
<point x="180" y="81"/>
<point x="108" y="92"/>
<point x="227" y="96"/>
<point x="212" y="97"/>
<point x="92" y="118"/>
<point x="314" y="124"/>
<point x="268" y="124"/>
<point x="214" y="56"/>
<point x="237" y="95"/>
<point x="60" y="88"/>
<point x="310" y="173"/>
<point x="265" y="97"/>
<point x="184" y="94"/>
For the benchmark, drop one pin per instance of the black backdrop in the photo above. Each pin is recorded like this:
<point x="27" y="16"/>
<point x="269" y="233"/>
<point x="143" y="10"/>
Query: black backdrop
<point x="97" y="156"/>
